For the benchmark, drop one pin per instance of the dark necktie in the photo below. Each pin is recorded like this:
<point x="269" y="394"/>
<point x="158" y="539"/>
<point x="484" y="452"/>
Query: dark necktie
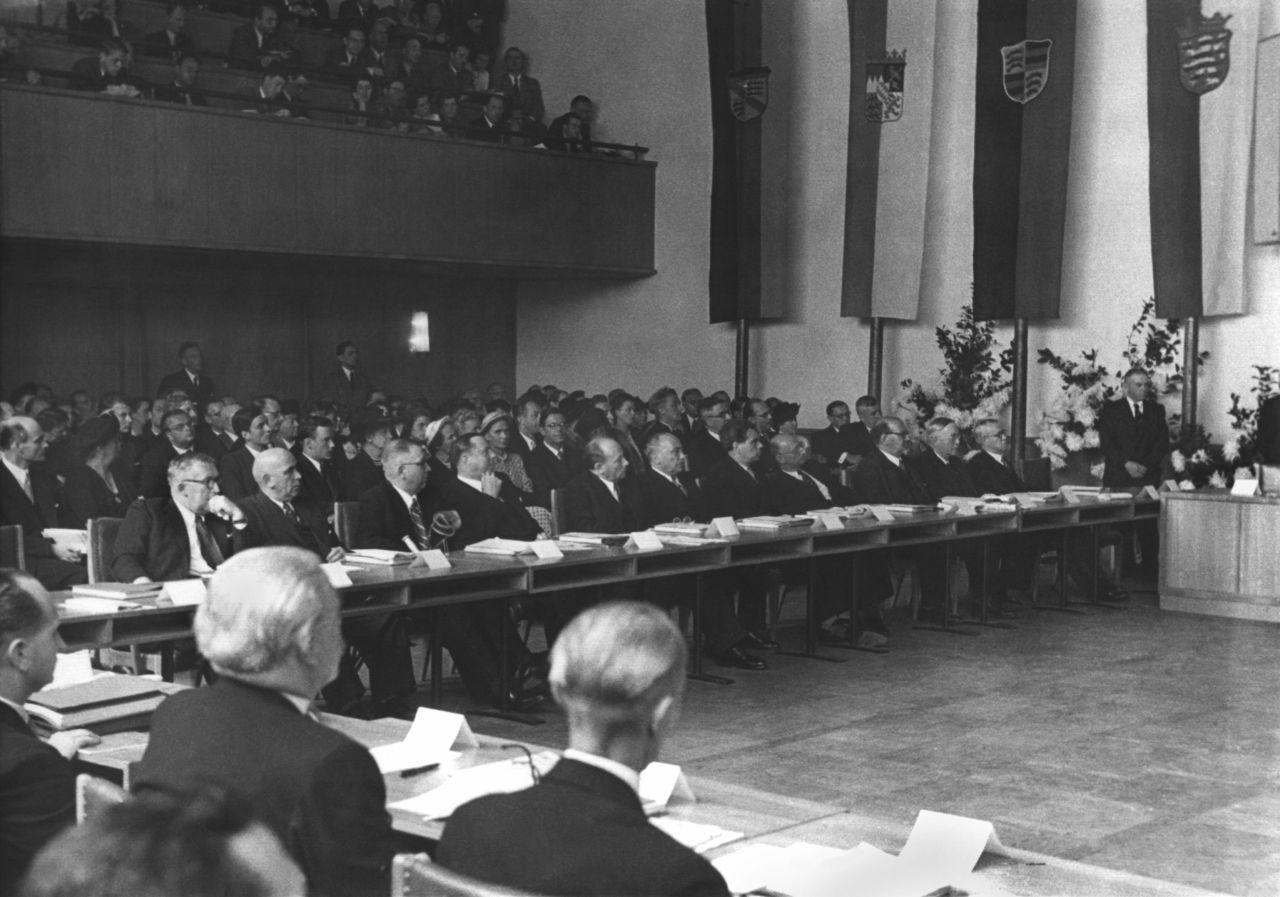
<point x="209" y="549"/>
<point x="680" y="486"/>
<point x="303" y="531"/>
<point x="1137" y="411"/>
<point x="419" y="528"/>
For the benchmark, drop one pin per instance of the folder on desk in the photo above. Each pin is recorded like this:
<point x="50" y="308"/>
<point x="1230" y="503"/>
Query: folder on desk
<point x="104" y="699"/>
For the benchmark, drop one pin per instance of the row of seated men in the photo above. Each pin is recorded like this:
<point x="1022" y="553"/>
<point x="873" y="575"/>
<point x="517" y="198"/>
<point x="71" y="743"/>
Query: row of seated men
<point x="242" y="790"/>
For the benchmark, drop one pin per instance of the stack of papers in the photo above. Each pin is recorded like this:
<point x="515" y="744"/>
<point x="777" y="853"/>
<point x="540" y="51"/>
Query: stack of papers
<point x="612" y="539"/>
<point x="504" y="547"/>
<point x="75" y="606"/>
<point x="680" y="529"/>
<point x="427" y="743"/>
<point x="379" y="557"/>
<point x="465" y="785"/>
<point x="774" y="522"/>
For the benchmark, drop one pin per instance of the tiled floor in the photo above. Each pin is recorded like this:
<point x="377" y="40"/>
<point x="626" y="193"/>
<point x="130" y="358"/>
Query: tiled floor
<point x="1132" y="739"/>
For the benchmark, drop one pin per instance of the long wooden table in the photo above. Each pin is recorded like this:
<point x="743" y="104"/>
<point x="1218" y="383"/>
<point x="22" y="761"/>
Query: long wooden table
<point x="476" y="577"/>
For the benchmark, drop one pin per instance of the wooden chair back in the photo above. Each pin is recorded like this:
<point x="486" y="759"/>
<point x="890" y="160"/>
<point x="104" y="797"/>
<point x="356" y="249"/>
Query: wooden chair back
<point x="11" y="550"/>
<point x="415" y="875"/>
<point x="345" y="515"/>
<point x="93" y="795"/>
<point x="559" y="514"/>
<point x="102" y="544"/>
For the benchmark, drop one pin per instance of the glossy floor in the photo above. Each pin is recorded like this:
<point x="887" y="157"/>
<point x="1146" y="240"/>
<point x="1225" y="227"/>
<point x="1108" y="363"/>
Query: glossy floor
<point x="1131" y="739"/>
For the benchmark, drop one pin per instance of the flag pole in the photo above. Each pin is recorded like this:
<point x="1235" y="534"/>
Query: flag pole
<point x="875" y="364"/>
<point x="1019" y="423"/>
<point x="742" y="358"/>
<point x="1190" y="370"/>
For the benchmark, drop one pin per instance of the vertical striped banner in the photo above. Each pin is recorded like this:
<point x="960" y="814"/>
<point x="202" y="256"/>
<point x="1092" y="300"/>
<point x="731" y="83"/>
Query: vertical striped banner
<point x="1021" y="154"/>
<point x="1199" y="158"/>
<point x="888" y="163"/>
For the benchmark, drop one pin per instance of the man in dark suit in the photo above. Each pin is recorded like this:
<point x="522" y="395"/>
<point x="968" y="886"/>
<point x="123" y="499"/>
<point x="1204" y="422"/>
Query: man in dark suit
<point x="668" y="494"/>
<point x="37" y="783"/>
<point x="1134" y="437"/>
<point x="1011" y="557"/>
<point x="842" y="442"/>
<point x="1269" y="430"/>
<point x="993" y="474"/>
<point x="28" y="498"/>
<point x="235" y="470"/>
<point x="349" y="61"/>
<point x="102" y="72"/>
<point x="358" y="12"/>
<point x="528" y="417"/>
<point x="664" y="411"/>
<point x="271" y="628"/>
<point x="278" y="515"/>
<point x="320" y="483"/>
<point x="553" y="463"/>
<point x="401" y="508"/>
<point x="346" y="386"/>
<point x="522" y="91"/>
<point x="490" y="127"/>
<point x="191" y="380"/>
<point x="601" y="499"/>
<point x="187" y="533"/>
<point x="363" y="472"/>
<point x="183" y="90"/>
<point x="254" y="44"/>
<point x="179" y="440"/>
<point x="452" y="76"/>
<point x="705" y="446"/>
<point x="490" y="506"/>
<point x="618" y="669"/>
<point x="170" y="41"/>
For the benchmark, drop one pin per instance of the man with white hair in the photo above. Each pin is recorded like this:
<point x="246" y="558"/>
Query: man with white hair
<point x="271" y="629"/>
<point x="618" y="670"/>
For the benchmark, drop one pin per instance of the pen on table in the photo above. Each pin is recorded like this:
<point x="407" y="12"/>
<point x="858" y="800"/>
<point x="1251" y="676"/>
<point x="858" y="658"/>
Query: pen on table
<point x="417" y="770"/>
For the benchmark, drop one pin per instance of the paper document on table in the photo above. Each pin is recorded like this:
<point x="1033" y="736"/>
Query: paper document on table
<point x="427" y="742"/>
<point x="698" y="837"/>
<point x="663" y="784"/>
<point x="78" y="606"/>
<point x="950" y="844"/>
<point x="76" y="540"/>
<point x="812" y="871"/>
<point x="72" y="668"/>
<point x="502" y="777"/>
<point x="750" y="868"/>
<point x="185" y="591"/>
<point x="339" y="574"/>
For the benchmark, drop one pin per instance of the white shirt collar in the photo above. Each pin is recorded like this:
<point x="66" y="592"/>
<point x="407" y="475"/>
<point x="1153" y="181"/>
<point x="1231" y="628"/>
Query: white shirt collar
<point x="303" y="704"/>
<point x="612" y="487"/>
<point x="999" y="458"/>
<point x="21" y="474"/>
<point x="474" y="484"/>
<point x="196" y="563"/>
<point x="404" y="496"/>
<point x="897" y="462"/>
<point x="314" y="462"/>
<point x="22" y="711"/>
<point x="613" y="767"/>
<point x="529" y="441"/>
<point x="666" y="476"/>
<point x="253" y="451"/>
<point x="939" y="457"/>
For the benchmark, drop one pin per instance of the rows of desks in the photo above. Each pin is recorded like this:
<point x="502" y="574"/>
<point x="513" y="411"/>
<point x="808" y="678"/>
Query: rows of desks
<point x="475" y="577"/>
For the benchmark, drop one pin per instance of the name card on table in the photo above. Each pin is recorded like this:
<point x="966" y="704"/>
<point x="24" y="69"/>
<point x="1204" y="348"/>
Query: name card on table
<point x="829" y="521"/>
<point x="722" y="526"/>
<point x="433" y="560"/>
<point x="881" y="513"/>
<point x="339" y="574"/>
<point x="1170" y="486"/>
<point x="185" y="591"/>
<point x="646" y="540"/>
<point x="1069" y="496"/>
<point x="1244" y="487"/>
<point x="427" y="742"/>
<point x="546" y="549"/>
<point x="950" y="844"/>
<point x="1150" y="492"/>
<point x="662" y="784"/>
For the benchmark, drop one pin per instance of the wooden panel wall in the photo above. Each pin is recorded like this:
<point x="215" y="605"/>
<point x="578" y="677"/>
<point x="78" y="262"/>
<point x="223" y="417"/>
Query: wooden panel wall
<point x="79" y="166"/>
<point x="108" y="317"/>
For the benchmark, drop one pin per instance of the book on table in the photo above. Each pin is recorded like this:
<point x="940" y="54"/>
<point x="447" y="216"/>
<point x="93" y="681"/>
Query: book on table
<point x="121" y="591"/>
<point x="101" y="701"/>
<point x="382" y="557"/>
<point x="503" y="547"/>
<point x="611" y="539"/>
<point x="776" y="522"/>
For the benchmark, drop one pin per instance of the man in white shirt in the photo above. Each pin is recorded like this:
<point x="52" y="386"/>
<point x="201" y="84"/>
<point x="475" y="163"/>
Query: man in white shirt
<point x="618" y="670"/>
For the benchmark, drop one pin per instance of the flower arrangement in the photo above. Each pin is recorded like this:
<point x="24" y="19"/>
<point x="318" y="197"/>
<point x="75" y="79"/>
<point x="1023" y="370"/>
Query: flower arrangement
<point x="973" y="385"/>
<point x="1070" y="425"/>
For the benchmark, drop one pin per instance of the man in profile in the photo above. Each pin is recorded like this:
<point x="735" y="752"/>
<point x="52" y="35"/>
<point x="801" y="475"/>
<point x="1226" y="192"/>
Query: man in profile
<point x="271" y="629"/>
<point x="37" y="784"/>
<point x="208" y="846"/>
<point x="179" y="440"/>
<point x="28" y="498"/>
<point x="600" y="500"/>
<point x="235" y="470"/>
<point x="618" y="670"/>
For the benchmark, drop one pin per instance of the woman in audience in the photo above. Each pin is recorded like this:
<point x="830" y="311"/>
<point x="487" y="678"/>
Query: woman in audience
<point x="467" y="420"/>
<point x="93" y="489"/>
<point x="496" y="428"/>
<point x="441" y="435"/>
<point x="141" y="409"/>
<point x="361" y="104"/>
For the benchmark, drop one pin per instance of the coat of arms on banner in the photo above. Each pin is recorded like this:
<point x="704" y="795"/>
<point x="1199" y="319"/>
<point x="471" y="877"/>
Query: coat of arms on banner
<point x="1204" y="54"/>
<point x="885" y="79"/>
<point x="749" y="93"/>
<point x="1026" y="69"/>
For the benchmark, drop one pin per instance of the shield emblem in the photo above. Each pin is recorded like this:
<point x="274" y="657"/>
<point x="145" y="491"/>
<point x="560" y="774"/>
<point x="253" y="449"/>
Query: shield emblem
<point x="885" y="79"/>
<point x="749" y="93"/>
<point x="1026" y="69"/>
<point x="1204" y="54"/>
